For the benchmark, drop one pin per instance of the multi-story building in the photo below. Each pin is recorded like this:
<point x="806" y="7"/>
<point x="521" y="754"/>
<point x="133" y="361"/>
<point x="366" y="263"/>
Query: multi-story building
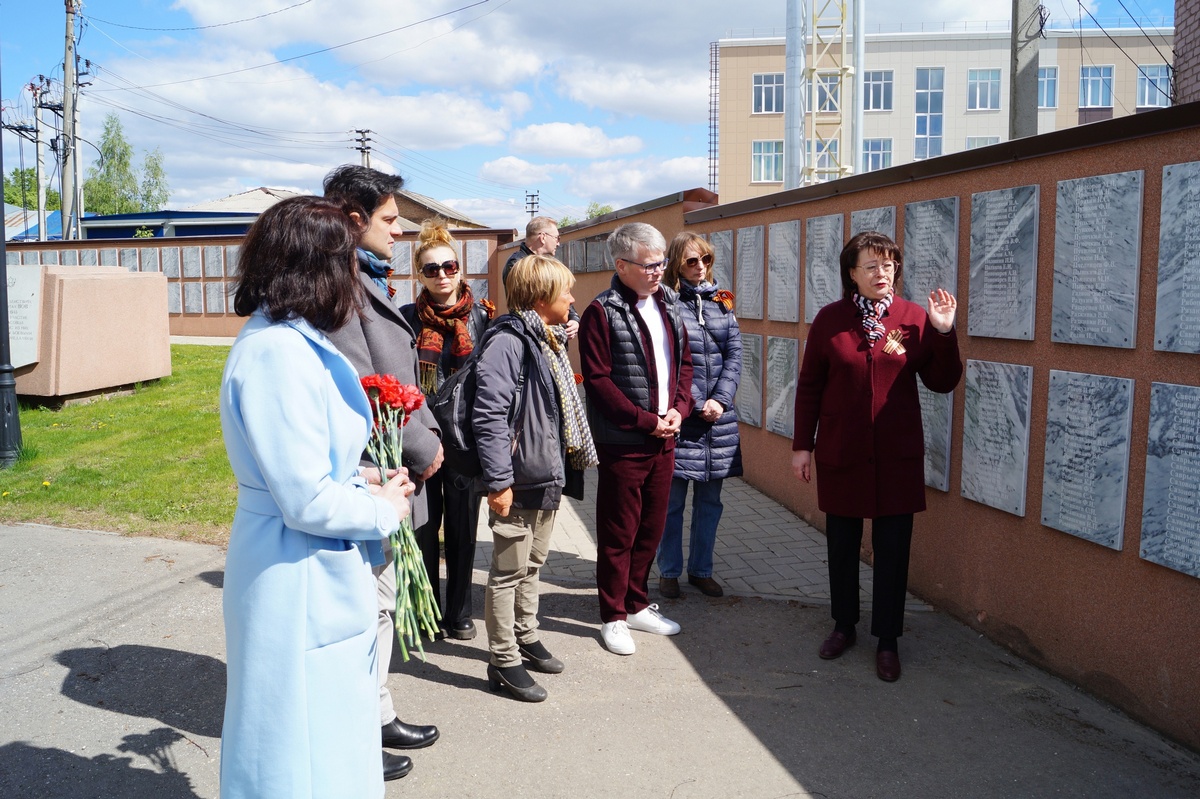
<point x="926" y="93"/>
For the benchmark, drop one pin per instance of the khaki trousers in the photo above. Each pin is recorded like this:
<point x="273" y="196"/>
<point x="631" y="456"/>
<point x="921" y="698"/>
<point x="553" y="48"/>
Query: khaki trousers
<point x="520" y="543"/>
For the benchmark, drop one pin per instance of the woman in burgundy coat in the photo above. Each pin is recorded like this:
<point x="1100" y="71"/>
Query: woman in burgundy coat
<point x="858" y="416"/>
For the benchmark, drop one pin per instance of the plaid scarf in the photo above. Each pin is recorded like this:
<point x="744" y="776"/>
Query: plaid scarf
<point x="438" y="322"/>
<point x="581" y="451"/>
<point x="872" y="312"/>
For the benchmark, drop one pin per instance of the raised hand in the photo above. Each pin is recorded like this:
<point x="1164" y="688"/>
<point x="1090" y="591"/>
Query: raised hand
<point x="941" y="309"/>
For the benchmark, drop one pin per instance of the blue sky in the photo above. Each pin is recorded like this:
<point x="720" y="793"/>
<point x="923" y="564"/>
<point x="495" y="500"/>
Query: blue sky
<point x="475" y="103"/>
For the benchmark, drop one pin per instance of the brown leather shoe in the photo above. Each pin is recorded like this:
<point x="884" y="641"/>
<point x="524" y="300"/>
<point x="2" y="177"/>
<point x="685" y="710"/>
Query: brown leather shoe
<point x="837" y="643"/>
<point x="887" y="666"/>
<point x="707" y="585"/>
<point x="669" y="587"/>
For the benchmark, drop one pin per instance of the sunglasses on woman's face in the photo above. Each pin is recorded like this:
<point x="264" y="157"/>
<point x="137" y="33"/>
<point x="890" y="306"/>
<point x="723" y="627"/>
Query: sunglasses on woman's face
<point x="693" y="262"/>
<point x="450" y="268"/>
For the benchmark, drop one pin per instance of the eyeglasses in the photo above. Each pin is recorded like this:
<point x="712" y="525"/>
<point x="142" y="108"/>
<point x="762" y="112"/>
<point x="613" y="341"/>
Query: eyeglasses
<point x="431" y="270"/>
<point x="887" y="267"/>
<point x="554" y="236"/>
<point x="692" y="263"/>
<point x="651" y="268"/>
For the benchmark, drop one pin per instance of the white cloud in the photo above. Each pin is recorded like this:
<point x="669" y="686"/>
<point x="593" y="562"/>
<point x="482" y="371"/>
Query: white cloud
<point x="624" y="183"/>
<point x="571" y="140"/>
<point x="636" y="90"/>
<point x="499" y="214"/>
<point x="518" y="172"/>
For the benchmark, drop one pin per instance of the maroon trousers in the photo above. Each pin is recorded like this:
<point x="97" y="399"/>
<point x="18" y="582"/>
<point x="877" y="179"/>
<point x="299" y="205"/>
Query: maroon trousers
<point x="631" y="511"/>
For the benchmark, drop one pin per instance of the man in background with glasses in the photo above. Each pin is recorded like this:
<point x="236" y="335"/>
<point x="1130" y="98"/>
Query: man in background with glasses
<point x="637" y="370"/>
<point x="541" y="238"/>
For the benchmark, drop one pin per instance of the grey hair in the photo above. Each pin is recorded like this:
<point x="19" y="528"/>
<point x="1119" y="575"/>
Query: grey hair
<point x="625" y="241"/>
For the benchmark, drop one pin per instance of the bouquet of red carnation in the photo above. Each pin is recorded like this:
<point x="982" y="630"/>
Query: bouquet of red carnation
<point x="393" y="405"/>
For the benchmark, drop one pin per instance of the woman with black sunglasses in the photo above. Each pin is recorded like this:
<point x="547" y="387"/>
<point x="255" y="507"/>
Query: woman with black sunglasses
<point x="447" y="321"/>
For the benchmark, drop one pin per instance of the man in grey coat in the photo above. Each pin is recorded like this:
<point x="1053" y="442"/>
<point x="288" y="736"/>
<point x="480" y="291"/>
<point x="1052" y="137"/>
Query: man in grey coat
<point x="380" y="341"/>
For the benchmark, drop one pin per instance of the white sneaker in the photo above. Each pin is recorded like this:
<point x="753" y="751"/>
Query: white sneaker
<point x="616" y="637"/>
<point x="649" y="620"/>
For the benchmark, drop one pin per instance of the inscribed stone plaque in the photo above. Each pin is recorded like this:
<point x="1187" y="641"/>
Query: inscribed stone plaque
<point x="191" y="262"/>
<point x="749" y="272"/>
<point x="87" y="257"/>
<point x="783" y="368"/>
<point x="477" y="257"/>
<point x="404" y="293"/>
<point x="1088" y="422"/>
<point x="108" y="257"/>
<point x="996" y="434"/>
<point x="149" y="260"/>
<point x="722" y="244"/>
<point x="1177" y="311"/>
<point x="129" y="258"/>
<point x="1171" y="505"/>
<point x="1097" y="234"/>
<point x="930" y="249"/>
<point x="50" y="257"/>
<point x="479" y="288"/>
<point x="822" y="274"/>
<point x="597" y="252"/>
<point x="749" y="394"/>
<point x="232" y="253"/>
<point x="11" y="257"/>
<point x="402" y="258"/>
<point x="1003" y="277"/>
<point x="937" y="415"/>
<point x="193" y="298"/>
<point x="783" y="272"/>
<point x="31" y="258"/>
<point x="170" y="261"/>
<point x="214" y="261"/>
<point x="70" y="257"/>
<point x="214" y="297"/>
<point x="881" y="220"/>
<point x="174" y="305"/>
<point x="24" y="313"/>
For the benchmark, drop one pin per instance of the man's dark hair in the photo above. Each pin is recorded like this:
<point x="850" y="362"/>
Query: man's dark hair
<point x="361" y="188"/>
<point x="297" y="260"/>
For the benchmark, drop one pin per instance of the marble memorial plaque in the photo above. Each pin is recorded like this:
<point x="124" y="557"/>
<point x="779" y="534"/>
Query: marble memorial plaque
<point x="477" y="257"/>
<point x="108" y="257"/>
<point x="1177" y="311"/>
<point x="748" y="272"/>
<point x="749" y="394"/>
<point x="1171" y="504"/>
<point x="87" y="257"/>
<point x="129" y="258"/>
<point x="783" y="369"/>
<point x="24" y="313"/>
<point x="822" y="272"/>
<point x="174" y="304"/>
<point x="783" y="272"/>
<point x="191" y="262"/>
<point x="1097" y="235"/>
<point x="1003" y="277"/>
<point x="1088" y="423"/>
<point x="937" y="416"/>
<point x="50" y="257"/>
<point x="11" y="257"/>
<point x="233" y="252"/>
<point x="193" y="298"/>
<point x="404" y="293"/>
<point x="170" y="261"/>
<point x="722" y="243"/>
<point x="402" y="258"/>
<point x="214" y="297"/>
<point x="71" y="257"/>
<point x="214" y="261"/>
<point x="30" y="258"/>
<point x="930" y="249"/>
<point x="882" y="220"/>
<point x="479" y="288"/>
<point x="149" y="260"/>
<point x="995" y="459"/>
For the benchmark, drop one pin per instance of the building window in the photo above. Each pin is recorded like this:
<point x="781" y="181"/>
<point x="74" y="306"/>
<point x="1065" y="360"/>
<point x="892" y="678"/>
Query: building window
<point x="981" y="141"/>
<point x="1095" y="87"/>
<point x="766" y="166"/>
<point x="829" y="93"/>
<point x="825" y="161"/>
<point x="877" y="90"/>
<point x="1154" y="86"/>
<point x="983" y="89"/>
<point x="1047" y="87"/>
<point x="768" y="93"/>
<point x="877" y="154"/>
<point x="930" y="91"/>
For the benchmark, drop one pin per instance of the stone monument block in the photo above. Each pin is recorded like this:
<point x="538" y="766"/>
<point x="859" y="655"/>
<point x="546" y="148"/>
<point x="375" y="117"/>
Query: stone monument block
<point x="783" y="370"/>
<point x="476" y="257"/>
<point x="1177" y="311"/>
<point x="822" y="273"/>
<point x="937" y="417"/>
<point x="930" y="249"/>
<point x="129" y="258"/>
<point x="170" y="261"/>
<point x="24" y="313"/>
<point x="783" y="272"/>
<point x="881" y="220"/>
<point x="1003" y="277"/>
<point x="1171" y="504"/>
<point x="749" y="394"/>
<point x="722" y="244"/>
<point x="191" y="262"/>
<point x="402" y="253"/>
<point x="996" y="434"/>
<point x="1088" y="422"/>
<point x="1097" y="235"/>
<point x="749" y="272"/>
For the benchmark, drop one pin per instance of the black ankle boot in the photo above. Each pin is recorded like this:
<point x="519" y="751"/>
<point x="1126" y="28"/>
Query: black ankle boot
<point x="398" y="735"/>
<point x="515" y="680"/>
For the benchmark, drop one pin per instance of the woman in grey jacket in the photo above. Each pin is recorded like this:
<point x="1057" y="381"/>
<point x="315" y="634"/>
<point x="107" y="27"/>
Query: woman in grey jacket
<point x="531" y="432"/>
<point x="709" y="448"/>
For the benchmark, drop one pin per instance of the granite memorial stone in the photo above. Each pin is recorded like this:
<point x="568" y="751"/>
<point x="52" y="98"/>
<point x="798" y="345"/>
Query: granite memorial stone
<point x="1171" y="504"/>
<point x="1177" y="311"/>
<point x="783" y="369"/>
<point x="822" y="271"/>
<point x="749" y="273"/>
<point x="722" y="243"/>
<point x="749" y="394"/>
<point x="402" y="258"/>
<point x="937" y="416"/>
<point x="996" y="434"/>
<point x="930" y="249"/>
<point x="477" y="257"/>
<point x="882" y="220"/>
<point x="1003" y="277"/>
<point x="783" y="273"/>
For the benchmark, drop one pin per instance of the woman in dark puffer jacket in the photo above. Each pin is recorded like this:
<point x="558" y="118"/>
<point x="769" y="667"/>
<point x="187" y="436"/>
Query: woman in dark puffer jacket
<point x="708" y="449"/>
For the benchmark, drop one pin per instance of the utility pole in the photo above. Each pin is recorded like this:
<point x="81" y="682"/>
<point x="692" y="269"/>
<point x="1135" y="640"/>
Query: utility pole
<point x="39" y="143"/>
<point x="364" y="146"/>
<point x="10" y="421"/>
<point x="531" y="203"/>
<point x="1023" y="79"/>
<point x="68" y="150"/>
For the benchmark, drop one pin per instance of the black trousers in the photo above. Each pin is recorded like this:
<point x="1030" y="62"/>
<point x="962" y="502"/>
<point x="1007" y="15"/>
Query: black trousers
<point x="452" y="499"/>
<point x="891" y="538"/>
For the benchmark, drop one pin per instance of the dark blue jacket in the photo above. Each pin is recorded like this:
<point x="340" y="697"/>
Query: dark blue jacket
<point x="710" y="450"/>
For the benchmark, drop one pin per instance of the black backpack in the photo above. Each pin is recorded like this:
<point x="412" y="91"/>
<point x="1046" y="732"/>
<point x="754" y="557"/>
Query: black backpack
<point x="453" y="405"/>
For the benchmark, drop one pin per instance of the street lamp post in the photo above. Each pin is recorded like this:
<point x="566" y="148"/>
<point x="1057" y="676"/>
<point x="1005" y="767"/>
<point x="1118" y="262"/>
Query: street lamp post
<point x="10" y="422"/>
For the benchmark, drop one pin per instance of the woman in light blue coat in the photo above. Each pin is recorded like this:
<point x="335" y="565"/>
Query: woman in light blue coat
<point x="301" y="707"/>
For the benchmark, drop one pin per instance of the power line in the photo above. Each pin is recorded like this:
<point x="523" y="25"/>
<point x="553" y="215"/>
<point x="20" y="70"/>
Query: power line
<point x="205" y="27"/>
<point x="1133" y="61"/>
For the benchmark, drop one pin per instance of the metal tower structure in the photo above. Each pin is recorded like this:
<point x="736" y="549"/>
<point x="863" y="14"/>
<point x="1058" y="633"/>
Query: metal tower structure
<point x="830" y="75"/>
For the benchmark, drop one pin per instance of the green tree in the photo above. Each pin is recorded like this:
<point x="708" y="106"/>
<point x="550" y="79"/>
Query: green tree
<point x="20" y="189"/>
<point x="594" y="209"/>
<point x="114" y="185"/>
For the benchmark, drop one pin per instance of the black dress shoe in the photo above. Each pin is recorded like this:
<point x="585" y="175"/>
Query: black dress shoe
<point x="887" y="666"/>
<point x="837" y="643"/>
<point x="462" y="630"/>
<point x="395" y="766"/>
<point x="540" y="658"/>
<point x="398" y="735"/>
<point x="515" y="680"/>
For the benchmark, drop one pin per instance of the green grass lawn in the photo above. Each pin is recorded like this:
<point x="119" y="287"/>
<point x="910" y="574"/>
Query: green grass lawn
<point x="150" y="463"/>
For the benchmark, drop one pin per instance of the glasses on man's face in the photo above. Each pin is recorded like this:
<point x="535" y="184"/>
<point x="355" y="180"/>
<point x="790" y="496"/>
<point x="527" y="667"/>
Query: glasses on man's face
<point x="450" y="268"/>
<point x="692" y="263"/>
<point x="875" y="267"/>
<point x="653" y="268"/>
<point x="551" y="235"/>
